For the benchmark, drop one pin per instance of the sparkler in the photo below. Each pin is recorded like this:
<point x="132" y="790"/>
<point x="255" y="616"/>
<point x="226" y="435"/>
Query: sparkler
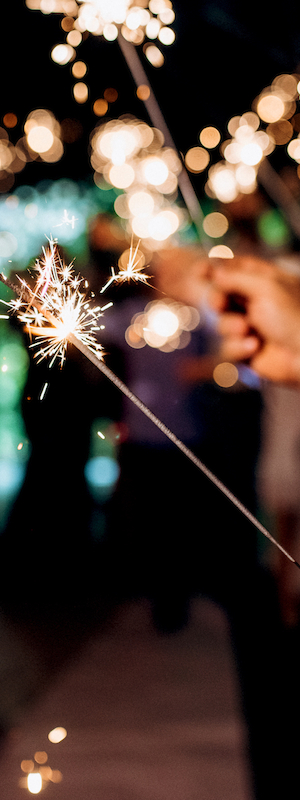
<point x="73" y="320"/>
<point x="132" y="270"/>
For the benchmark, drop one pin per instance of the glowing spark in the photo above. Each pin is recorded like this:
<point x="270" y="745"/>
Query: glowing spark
<point x="43" y="392"/>
<point x="66" y="220"/>
<point x="101" y="435"/>
<point x="55" y="308"/>
<point x="132" y="271"/>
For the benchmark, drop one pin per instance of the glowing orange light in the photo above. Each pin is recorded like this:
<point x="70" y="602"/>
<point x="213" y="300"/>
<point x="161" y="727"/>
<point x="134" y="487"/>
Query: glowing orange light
<point x="81" y="92"/>
<point x="225" y="375"/>
<point x="79" y="69"/>
<point x="209" y="137"/>
<point x="270" y="107"/>
<point x="111" y="95"/>
<point x="154" y="55"/>
<point x="10" y="120"/>
<point x="100" y="107"/>
<point x="196" y="159"/>
<point x="143" y="92"/>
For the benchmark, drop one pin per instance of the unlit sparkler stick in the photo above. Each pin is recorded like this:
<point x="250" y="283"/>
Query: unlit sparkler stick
<point x="139" y="75"/>
<point x="95" y="359"/>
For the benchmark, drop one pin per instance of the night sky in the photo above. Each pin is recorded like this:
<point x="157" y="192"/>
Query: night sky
<point x="225" y="53"/>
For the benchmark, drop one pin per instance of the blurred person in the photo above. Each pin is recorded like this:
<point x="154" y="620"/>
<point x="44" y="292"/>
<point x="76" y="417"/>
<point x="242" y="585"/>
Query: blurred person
<point x="264" y="330"/>
<point x="171" y="534"/>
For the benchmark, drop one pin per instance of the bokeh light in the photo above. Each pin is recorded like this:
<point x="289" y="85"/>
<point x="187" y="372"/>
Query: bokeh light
<point x="110" y="19"/>
<point x="220" y="251"/>
<point x="225" y="374"/>
<point x="215" y="224"/>
<point x="100" y="107"/>
<point x="34" y="782"/>
<point x="196" y="159"/>
<point x="210" y="137"/>
<point x="164" y="325"/>
<point x="80" y="92"/>
<point x="57" y="735"/>
<point x="132" y="157"/>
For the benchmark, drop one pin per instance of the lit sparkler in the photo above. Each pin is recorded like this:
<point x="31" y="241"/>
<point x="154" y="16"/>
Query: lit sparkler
<point x="55" y="308"/>
<point x="132" y="270"/>
<point x="73" y="320"/>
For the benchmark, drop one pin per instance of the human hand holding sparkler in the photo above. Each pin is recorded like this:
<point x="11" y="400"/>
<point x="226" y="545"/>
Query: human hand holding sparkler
<point x="259" y="307"/>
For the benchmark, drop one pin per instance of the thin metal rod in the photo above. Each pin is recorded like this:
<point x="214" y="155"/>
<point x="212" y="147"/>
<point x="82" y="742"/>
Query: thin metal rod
<point x="279" y="192"/>
<point x="155" y="114"/>
<point x="179" y="444"/>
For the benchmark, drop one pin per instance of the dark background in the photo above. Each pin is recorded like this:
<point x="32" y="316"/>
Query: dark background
<point x="224" y="54"/>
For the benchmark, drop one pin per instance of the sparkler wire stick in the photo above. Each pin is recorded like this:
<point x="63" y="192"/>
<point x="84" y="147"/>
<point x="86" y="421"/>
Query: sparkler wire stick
<point x="281" y="194"/>
<point x="94" y="359"/>
<point x="173" y="438"/>
<point x="139" y="75"/>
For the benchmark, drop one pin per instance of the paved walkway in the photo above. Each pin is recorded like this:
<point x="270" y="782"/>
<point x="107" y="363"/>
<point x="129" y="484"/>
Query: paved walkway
<point x="148" y="716"/>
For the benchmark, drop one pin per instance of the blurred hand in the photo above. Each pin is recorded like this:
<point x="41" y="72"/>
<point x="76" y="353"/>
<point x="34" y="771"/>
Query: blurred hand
<point x="182" y="273"/>
<point x="259" y="308"/>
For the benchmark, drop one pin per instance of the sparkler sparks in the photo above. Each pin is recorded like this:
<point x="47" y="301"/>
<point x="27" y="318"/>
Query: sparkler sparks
<point x="55" y="308"/>
<point x="131" y="271"/>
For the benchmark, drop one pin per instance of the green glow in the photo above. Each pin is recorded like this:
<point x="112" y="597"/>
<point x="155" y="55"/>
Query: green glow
<point x="273" y="229"/>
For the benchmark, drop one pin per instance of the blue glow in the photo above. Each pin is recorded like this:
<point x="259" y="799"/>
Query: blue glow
<point x="59" y="208"/>
<point x="12" y="474"/>
<point x="101" y="472"/>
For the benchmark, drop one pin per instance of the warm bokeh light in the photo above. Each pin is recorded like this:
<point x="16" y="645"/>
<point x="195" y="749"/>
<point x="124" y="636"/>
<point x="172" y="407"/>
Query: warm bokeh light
<point x="163" y="225"/>
<point x="270" y="107"/>
<point x="143" y="92"/>
<point x="293" y="149"/>
<point x="166" y="36"/>
<point x="100" y="107"/>
<point x="155" y="170"/>
<point x="10" y="120"/>
<point x="225" y="374"/>
<point x="286" y="85"/>
<point x="57" y="735"/>
<point x="74" y="38"/>
<point x="80" y="92"/>
<point x="40" y="139"/>
<point x="110" y="32"/>
<point x="41" y="757"/>
<point x="220" y="251"/>
<point x="196" y="159"/>
<point x="34" y="782"/>
<point x="110" y="94"/>
<point x="121" y="175"/>
<point x="281" y="131"/>
<point x="62" y="53"/>
<point x="164" y="324"/>
<point x="210" y="137"/>
<point x="79" y="69"/>
<point x="215" y="224"/>
<point x="222" y="182"/>
<point x="131" y="156"/>
<point x="141" y="203"/>
<point x="154" y="55"/>
<point x="27" y="765"/>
